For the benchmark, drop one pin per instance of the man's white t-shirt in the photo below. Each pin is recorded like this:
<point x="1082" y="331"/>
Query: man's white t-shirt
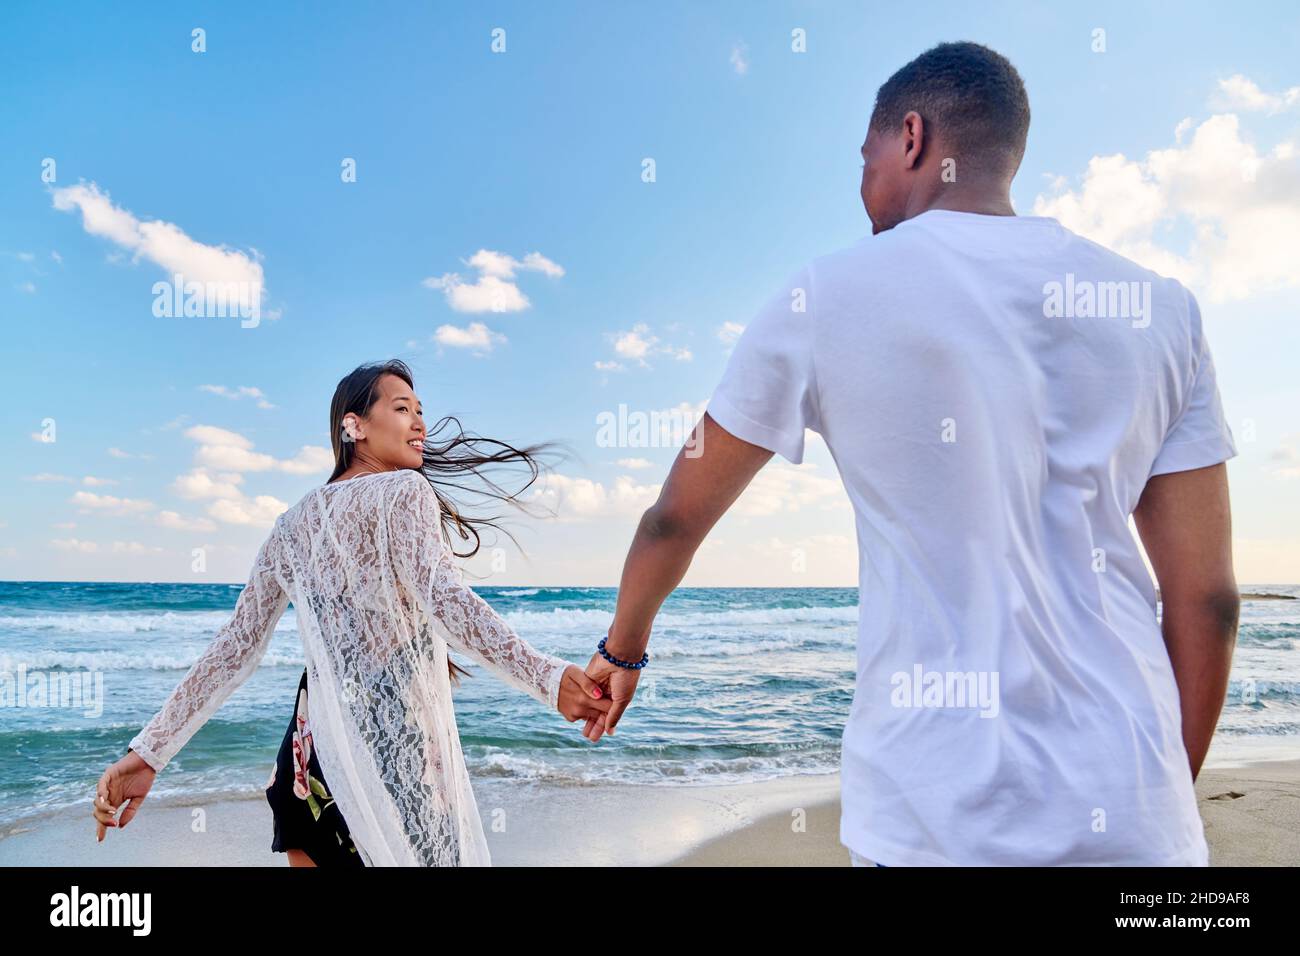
<point x="996" y="391"/>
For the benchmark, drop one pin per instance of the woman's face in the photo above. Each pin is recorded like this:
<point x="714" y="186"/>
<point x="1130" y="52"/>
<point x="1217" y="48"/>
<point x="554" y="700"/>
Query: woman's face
<point x="392" y="434"/>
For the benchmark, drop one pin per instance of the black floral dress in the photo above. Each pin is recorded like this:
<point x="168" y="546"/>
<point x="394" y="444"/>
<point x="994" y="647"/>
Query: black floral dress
<point x="306" y="816"/>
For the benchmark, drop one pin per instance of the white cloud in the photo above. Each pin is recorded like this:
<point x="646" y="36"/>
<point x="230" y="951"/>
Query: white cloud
<point x="221" y="459"/>
<point x="109" y="504"/>
<point x="1242" y="206"/>
<point x="242" y="391"/>
<point x="176" y="522"/>
<point x="229" y="504"/>
<point x="310" y="460"/>
<point x="198" y="484"/>
<point x="213" y="435"/>
<point x="782" y="487"/>
<point x="581" y="499"/>
<point x="1238" y="92"/>
<point x="239" y="274"/>
<point x="223" y="450"/>
<point x="74" y="544"/>
<point x="259" y="511"/>
<point x="233" y="458"/>
<point x="638" y="343"/>
<point x="477" y="337"/>
<point x="90" y="547"/>
<point x="739" y="58"/>
<point x="46" y="476"/>
<point x="729" y="332"/>
<point x="90" y="481"/>
<point x="133" y="547"/>
<point x="635" y="463"/>
<point x="494" y="290"/>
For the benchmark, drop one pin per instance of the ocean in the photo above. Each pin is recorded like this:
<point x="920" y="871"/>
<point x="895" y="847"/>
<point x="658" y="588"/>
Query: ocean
<point x="744" y="684"/>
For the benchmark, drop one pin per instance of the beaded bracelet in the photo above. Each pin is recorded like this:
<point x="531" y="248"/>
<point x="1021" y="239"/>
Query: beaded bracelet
<point x="631" y="665"/>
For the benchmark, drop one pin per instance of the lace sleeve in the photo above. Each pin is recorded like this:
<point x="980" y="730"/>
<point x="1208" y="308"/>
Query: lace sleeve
<point x="424" y="566"/>
<point x="228" y="661"/>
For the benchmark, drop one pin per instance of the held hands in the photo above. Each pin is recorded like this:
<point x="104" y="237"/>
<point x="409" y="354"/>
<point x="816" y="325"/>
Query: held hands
<point x="597" y="697"/>
<point x="619" y="685"/>
<point x="582" y="698"/>
<point x="127" y="780"/>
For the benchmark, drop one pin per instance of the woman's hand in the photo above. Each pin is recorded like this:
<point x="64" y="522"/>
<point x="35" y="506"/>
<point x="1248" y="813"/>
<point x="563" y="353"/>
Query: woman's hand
<point x="620" y="687"/>
<point x="128" y="779"/>
<point x="581" y="698"/>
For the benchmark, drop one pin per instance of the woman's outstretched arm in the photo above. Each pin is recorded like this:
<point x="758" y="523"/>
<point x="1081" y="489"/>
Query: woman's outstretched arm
<point x="424" y="564"/>
<point x="227" y="662"/>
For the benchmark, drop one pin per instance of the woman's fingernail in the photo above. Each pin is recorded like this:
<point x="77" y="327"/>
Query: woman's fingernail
<point x="595" y="692"/>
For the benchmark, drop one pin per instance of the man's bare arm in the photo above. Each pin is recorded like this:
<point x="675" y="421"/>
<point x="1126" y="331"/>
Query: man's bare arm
<point x="1185" y="524"/>
<point x="698" y="491"/>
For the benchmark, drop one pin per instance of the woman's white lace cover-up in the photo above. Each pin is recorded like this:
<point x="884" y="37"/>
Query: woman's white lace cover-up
<point x="378" y="600"/>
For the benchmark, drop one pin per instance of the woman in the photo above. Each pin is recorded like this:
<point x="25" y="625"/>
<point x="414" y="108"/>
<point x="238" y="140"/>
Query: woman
<point x="372" y="774"/>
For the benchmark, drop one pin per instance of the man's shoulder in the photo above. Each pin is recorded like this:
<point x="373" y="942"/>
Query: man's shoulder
<point x="1105" y="261"/>
<point x="881" y="254"/>
<point x="886" y="243"/>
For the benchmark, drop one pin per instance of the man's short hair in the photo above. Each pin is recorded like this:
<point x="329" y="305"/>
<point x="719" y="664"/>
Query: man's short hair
<point x="969" y="95"/>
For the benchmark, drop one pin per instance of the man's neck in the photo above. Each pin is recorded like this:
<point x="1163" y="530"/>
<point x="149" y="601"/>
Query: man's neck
<point x="987" y="202"/>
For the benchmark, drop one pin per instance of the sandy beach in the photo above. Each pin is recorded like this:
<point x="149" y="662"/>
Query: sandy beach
<point x="1251" y="815"/>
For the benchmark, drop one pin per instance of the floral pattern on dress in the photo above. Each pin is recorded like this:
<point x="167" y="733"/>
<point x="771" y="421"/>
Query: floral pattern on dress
<point x="306" y="786"/>
<point x="296" y="786"/>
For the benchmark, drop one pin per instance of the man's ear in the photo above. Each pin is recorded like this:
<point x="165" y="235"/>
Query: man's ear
<point x="913" y="139"/>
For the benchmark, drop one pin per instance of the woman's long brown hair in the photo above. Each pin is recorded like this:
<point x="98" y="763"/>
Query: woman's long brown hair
<point x="461" y="456"/>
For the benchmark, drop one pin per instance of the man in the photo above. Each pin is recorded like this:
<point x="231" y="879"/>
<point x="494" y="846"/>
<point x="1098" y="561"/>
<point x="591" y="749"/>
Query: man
<point x="999" y="395"/>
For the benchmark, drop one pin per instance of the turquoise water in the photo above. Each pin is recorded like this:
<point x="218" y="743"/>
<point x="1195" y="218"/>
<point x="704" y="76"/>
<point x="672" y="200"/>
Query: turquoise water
<point x="744" y="684"/>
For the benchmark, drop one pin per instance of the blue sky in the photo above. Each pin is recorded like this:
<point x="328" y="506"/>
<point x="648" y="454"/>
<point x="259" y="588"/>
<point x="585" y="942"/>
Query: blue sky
<point x="176" y="433"/>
